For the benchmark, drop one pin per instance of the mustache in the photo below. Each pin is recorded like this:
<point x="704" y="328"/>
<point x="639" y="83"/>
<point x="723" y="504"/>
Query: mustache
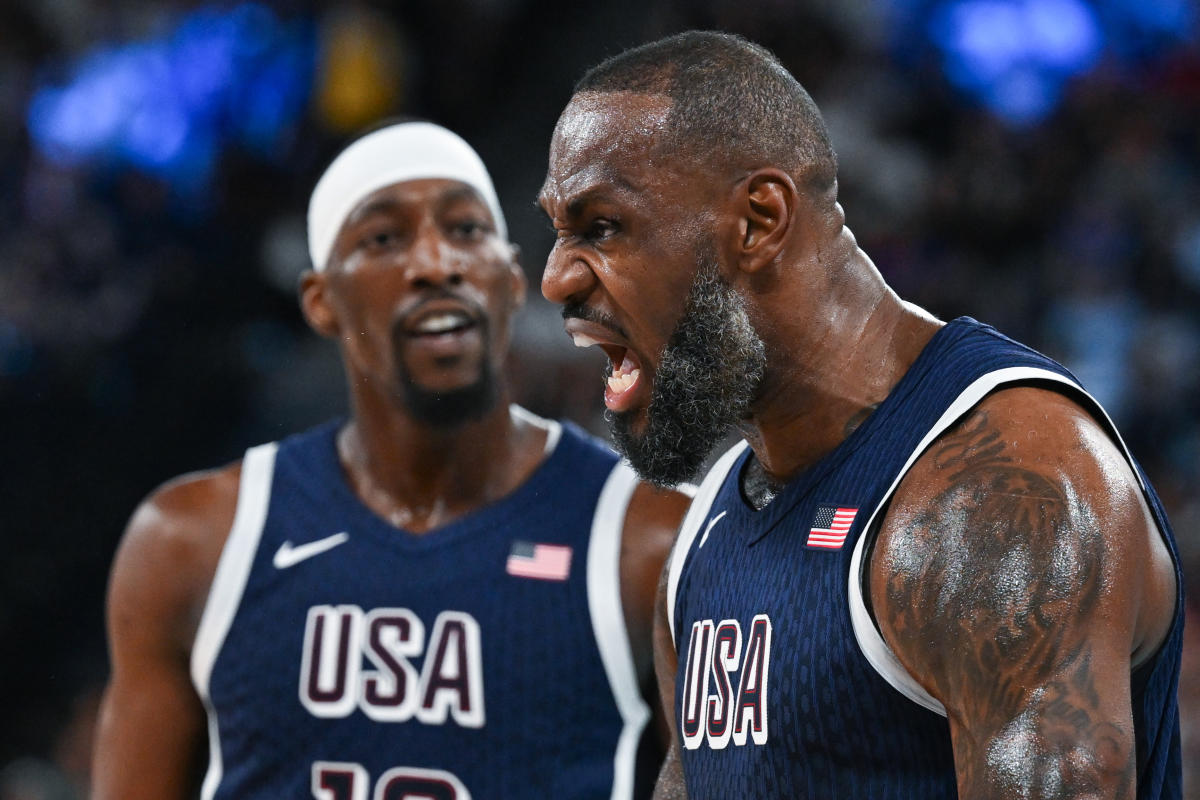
<point x="418" y="305"/>
<point x="577" y="310"/>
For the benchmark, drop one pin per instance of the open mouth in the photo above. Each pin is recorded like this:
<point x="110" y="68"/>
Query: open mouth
<point x="438" y="323"/>
<point x="625" y="370"/>
<point x="441" y="318"/>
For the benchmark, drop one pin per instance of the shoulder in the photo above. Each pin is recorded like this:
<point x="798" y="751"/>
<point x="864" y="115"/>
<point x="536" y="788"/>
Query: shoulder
<point x="185" y="516"/>
<point x="169" y="550"/>
<point x="1019" y="525"/>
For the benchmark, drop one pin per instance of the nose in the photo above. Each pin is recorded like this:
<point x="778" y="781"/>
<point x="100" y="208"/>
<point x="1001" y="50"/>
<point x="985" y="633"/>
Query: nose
<point x="568" y="277"/>
<point x="434" y="262"/>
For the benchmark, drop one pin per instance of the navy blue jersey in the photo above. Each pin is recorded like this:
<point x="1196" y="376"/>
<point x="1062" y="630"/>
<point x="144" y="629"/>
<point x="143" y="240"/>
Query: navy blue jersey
<point x="342" y="658"/>
<point x="785" y="687"/>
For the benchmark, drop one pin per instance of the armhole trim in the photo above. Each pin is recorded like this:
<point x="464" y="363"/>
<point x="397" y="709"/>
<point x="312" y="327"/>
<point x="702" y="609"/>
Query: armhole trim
<point x="229" y="582"/>
<point x="696" y="514"/>
<point x="870" y="641"/>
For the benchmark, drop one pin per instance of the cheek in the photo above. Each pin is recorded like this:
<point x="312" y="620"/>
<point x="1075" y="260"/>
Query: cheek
<point x="653" y="292"/>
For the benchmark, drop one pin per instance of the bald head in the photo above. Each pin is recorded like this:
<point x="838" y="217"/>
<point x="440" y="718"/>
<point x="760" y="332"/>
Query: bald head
<point x="732" y="104"/>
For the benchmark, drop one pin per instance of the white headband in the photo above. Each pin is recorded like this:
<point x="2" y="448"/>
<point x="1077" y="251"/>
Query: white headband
<point x="403" y="152"/>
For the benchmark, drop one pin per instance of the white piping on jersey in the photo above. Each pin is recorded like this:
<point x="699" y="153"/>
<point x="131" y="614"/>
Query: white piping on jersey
<point x="608" y="621"/>
<point x="696" y="515"/>
<point x="870" y="641"/>
<point x="229" y="581"/>
<point x="553" y="427"/>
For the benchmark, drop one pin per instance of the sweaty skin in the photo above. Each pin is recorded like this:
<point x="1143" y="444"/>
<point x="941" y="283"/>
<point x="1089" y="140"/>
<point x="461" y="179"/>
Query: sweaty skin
<point x="409" y="251"/>
<point x="1017" y="575"/>
<point x="1017" y="548"/>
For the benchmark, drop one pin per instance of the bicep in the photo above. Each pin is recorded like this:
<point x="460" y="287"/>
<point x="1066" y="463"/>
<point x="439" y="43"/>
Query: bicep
<point x="997" y="580"/>
<point x="150" y="739"/>
<point x="150" y="736"/>
<point x="651" y="523"/>
<point x="666" y="660"/>
<point x="670" y="785"/>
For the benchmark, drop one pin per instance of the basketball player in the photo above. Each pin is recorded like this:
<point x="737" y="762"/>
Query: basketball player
<point x="932" y="569"/>
<point x="443" y="596"/>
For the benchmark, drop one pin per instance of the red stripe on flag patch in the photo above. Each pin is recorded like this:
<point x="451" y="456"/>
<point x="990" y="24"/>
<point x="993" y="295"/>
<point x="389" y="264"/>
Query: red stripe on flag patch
<point x="831" y="525"/>
<point x="547" y="562"/>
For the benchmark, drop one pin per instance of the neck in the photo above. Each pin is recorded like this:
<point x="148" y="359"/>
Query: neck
<point x="419" y="477"/>
<point x="830" y="369"/>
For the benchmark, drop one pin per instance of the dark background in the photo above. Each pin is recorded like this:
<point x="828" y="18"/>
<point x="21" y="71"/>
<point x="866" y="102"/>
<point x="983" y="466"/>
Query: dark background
<point x="1031" y="163"/>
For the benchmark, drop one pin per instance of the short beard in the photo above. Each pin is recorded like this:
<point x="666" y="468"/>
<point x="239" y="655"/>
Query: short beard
<point x="453" y="408"/>
<point x="708" y="376"/>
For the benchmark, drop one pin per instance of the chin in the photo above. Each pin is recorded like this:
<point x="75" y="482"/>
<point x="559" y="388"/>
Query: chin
<point x="453" y="406"/>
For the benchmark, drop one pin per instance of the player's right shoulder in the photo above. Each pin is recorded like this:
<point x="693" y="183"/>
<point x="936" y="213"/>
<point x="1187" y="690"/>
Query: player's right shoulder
<point x="169" y="552"/>
<point x="187" y="514"/>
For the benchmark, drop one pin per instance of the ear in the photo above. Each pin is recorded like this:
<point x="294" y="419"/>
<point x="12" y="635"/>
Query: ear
<point x="520" y="284"/>
<point x="767" y="203"/>
<point x="315" y="304"/>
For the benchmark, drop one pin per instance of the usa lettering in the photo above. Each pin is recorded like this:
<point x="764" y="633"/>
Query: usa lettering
<point x="713" y="711"/>
<point x="356" y="660"/>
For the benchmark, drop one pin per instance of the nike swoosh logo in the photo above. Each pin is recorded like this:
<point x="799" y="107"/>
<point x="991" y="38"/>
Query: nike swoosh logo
<point x="711" y="522"/>
<point x="289" y="556"/>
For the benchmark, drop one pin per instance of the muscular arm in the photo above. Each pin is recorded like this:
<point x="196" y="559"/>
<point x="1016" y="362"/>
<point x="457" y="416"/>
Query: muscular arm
<point x="650" y="527"/>
<point x="670" y="784"/>
<point x="1018" y="576"/>
<point x="150" y="740"/>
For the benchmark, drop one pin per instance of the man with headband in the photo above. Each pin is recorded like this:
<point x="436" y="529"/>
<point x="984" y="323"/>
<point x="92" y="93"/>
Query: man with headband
<point x="442" y="596"/>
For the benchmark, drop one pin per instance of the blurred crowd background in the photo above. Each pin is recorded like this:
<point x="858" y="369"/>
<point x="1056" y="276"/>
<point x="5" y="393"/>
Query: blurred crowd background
<point x="1032" y="163"/>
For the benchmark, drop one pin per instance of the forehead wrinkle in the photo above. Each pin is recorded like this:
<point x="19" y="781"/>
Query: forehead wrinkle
<point x="601" y="184"/>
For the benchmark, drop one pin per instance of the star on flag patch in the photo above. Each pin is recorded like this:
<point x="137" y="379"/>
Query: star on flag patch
<point x="830" y="526"/>
<point x="547" y="562"/>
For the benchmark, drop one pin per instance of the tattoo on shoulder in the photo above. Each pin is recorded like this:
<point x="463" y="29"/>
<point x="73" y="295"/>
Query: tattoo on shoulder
<point x="988" y="587"/>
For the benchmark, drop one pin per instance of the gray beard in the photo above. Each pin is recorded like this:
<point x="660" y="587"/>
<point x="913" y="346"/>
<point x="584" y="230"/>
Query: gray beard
<point x="707" y="378"/>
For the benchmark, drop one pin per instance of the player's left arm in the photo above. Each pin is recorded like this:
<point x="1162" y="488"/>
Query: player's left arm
<point x="651" y="522"/>
<point x="1019" y="576"/>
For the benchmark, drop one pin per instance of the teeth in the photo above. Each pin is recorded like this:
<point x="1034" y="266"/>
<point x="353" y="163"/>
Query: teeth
<point x="583" y="340"/>
<point x="440" y="323"/>
<point x="621" y="383"/>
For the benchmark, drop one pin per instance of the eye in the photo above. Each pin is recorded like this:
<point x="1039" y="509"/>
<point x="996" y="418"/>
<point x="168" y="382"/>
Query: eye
<point x="469" y="229"/>
<point x="380" y="239"/>
<point x="601" y="228"/>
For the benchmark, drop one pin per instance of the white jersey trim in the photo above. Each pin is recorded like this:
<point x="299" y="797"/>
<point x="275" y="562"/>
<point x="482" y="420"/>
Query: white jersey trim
<point x="229" y="581"/>
<point x="696" y="514"/>
<point x="608" y="621"/>
<point x="870" y="641"/>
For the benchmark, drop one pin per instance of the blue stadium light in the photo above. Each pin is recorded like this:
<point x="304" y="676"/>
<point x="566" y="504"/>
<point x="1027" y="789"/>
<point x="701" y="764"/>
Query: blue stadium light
<point x="170" y="105"/>
<point x="1015" y="55"/>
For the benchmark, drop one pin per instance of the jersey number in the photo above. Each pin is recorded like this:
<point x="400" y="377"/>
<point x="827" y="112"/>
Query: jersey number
<point x="334" y="780"/>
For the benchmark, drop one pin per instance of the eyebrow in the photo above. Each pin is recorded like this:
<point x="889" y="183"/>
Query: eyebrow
<point x="384" y="205"/>
<point x="612" y="185"/>
<point x="460" y="192"/>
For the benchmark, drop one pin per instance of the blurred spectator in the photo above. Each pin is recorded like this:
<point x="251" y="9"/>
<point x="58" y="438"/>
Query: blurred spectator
<point x="147" y="316"/>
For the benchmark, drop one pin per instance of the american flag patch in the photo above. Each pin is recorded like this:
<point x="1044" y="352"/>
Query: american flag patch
<point x="830" y="526"/>
<point x="547" y="562"/>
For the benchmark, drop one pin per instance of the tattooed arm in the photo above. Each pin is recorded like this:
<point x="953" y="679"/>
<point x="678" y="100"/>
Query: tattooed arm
<point x="1019" y="577"/>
